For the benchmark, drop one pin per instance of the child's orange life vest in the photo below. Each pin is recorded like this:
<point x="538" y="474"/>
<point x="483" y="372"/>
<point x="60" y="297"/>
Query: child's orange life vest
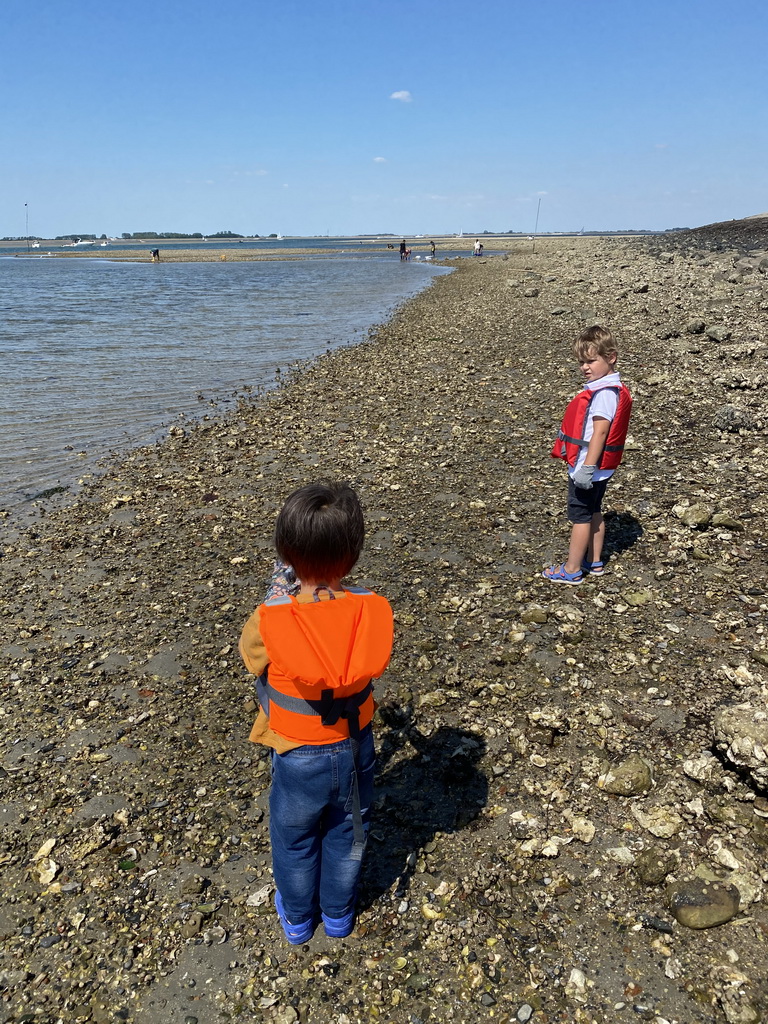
<point x="570" y="437"/>
<point x="322" y="658"/>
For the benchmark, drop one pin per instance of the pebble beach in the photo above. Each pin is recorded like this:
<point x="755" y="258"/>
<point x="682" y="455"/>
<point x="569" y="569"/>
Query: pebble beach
<point x="571" y="819"/>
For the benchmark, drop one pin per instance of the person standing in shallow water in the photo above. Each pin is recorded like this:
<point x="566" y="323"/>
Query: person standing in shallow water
<point x="432" y="249"/>
<point x="316" y="647"/>
<point x="403" y="250"/>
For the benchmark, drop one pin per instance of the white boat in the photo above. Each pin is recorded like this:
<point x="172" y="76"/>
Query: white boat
<point x="35" y="245"/>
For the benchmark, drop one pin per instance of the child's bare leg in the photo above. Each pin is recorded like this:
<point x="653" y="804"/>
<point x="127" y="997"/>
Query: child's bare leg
<point x="580" y="539"/>
<point x="597" y="538"/>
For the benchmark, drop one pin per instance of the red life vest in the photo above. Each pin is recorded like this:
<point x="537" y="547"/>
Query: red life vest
<point x="322" y="658"/>
<point x="570" y="436"/>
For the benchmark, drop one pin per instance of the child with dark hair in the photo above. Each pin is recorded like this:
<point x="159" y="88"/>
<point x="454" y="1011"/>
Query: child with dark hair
<point x="316" y="647"/>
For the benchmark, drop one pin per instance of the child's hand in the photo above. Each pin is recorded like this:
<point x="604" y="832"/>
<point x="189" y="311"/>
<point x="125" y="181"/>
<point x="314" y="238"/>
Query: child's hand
<point x="583" y="477"/>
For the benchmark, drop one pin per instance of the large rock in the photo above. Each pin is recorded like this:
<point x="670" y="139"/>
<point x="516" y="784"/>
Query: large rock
<point x="733" y="419"/>
<point x="741" y="733"/>
<point x="697" y="516"/>
<point x="697" y="903"/>
<point x="631" y="778"/>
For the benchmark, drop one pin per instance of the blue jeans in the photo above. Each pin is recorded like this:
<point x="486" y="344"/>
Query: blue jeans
<point x="310" y="826"/>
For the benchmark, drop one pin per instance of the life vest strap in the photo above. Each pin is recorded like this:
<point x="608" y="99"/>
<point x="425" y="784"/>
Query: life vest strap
<point x="329" y="708"/>
<point x="572" y="440"/>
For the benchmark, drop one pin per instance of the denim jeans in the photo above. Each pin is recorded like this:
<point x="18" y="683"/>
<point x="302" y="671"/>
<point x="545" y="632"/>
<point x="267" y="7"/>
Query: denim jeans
<point x="310" y="826"/>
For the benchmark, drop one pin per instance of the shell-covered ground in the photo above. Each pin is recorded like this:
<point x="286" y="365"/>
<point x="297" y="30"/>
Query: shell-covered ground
<point x="569" y="777"/>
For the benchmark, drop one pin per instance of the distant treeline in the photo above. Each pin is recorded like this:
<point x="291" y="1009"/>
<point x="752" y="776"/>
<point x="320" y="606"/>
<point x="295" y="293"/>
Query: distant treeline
<point x="147" y="236"/>
<point x="180" y="234"/>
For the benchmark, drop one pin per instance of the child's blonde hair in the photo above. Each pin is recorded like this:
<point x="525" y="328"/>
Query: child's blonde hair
<point x="595" y="339"/>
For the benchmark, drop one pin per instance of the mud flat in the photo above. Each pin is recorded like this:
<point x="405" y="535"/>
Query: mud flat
<point x="571" y="822"/>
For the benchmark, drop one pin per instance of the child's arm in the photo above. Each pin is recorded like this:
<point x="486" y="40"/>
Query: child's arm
<point x="252" y="649"/>
<point x="583" y="476"/>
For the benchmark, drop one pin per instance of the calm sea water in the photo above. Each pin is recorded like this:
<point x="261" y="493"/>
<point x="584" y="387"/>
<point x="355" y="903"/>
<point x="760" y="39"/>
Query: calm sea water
<point x="96" y="357"/>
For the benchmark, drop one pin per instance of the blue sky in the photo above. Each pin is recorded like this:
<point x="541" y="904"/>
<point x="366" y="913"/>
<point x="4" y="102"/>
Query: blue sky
<point x="357" y="116"/>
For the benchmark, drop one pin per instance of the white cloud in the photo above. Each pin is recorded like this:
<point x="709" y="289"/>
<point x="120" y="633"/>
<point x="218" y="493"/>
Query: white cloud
<point x="403" y="95"/>
<point x="379" y="159"/>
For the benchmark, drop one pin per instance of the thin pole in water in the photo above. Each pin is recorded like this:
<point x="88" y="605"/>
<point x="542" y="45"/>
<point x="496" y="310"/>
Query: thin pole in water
<point x="26" y="211"/>
<point x="536" y="229"/>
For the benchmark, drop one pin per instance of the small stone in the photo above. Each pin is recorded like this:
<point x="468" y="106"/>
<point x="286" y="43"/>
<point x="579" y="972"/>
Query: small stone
<point x="695" y="327"/>
<point x="192" y="925"/>
<point x="531" y="293"/>
<point x="718" y="334"/>
<point x="576" y="986"/>
<point x="581" y="828"/>
<point x="697" y="516"/>
<point x="659" y="819"/>
<point x="10" y="979"/>
<point x="653" y="865"/>
<point x="621" y="855"/>
<point x="533" y="614"/>
<point x="726" y="521"/>
<point x="638" y="597"/>
<point x="525" y="1012"/>
<point x="418" y="982"/>
<point x="286" y="1015"/>
<point x="631" y="778"/>
<point x="697" y="903"/>
<point x="487" y="999"/>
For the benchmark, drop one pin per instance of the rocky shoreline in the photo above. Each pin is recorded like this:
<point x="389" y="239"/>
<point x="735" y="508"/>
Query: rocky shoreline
<point x="571" y="821"/>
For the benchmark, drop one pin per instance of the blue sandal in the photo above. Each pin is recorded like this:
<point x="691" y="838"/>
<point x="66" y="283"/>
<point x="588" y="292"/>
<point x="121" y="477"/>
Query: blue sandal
<point x="297" y="934"/>
<point x="593" y="568"/>
<point x="557" y="574"/>
<point x="339" y="927"/>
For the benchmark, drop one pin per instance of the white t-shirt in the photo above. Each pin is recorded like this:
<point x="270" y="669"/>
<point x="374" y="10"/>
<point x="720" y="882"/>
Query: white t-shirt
<point x="604" y="404"/>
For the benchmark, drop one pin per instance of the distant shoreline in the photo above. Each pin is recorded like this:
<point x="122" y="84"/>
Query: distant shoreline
<point x="447" y="246"/>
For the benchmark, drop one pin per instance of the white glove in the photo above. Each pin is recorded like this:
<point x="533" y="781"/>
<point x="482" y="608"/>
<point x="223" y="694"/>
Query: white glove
<point x="583" y="477"/>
